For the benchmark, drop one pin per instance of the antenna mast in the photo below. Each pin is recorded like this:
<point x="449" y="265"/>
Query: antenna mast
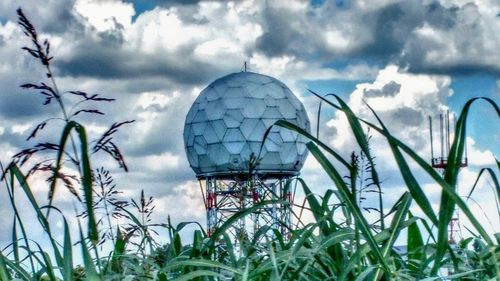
<point x="441" y="163"/>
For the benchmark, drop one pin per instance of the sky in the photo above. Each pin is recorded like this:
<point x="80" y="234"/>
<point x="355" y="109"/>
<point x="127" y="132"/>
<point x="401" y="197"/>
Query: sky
<point x="407" y="59"/>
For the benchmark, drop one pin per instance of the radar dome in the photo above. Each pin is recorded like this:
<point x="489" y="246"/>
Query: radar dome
<point x="226" y="124"/>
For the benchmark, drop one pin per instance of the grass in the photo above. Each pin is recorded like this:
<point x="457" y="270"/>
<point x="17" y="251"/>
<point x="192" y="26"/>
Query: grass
<point x="328" y="248"/>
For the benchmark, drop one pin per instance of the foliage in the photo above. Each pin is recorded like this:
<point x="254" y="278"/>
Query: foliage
<point x="328" y="248"/>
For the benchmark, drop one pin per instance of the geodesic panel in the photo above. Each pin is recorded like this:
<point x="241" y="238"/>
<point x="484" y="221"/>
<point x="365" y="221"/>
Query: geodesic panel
<point x="227" y="122"/>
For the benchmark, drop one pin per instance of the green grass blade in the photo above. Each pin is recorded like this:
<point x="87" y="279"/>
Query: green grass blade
<point x="415" y="245"/>
<point x="410" y="181"/>
<point x="316" y="209"/>
<point x="4" y="272"/>
<point x="202" y="263"/>
<point x="47" y="265"/>
<point x="67" y="253"/>
<point x="86" y="172"/>
<point x="365" y="274"/>
<point x="347" y="197"/>
<point x="21" y="273"/>
<point x="15" y="172"/>
<point x="363" y="250"/>
<point x="362" y="141"/>
<point x="230" y="222"/>
<point x="495" y="183"/>
<point x="15" y="241"/>
<point x="17" y="218"/>
<point x="197" y="242"/>
<point x="197" y="274"/>
<point x="339" y="236"/>
<point x="404" y="169"/>
<point x="396" y="223"/>
<point x="88" y="264"/>
<point x="297" y="129"/>
<point x="449" y="190"/>
<point x="119" y="250"/>
<point x="453" y="167"/>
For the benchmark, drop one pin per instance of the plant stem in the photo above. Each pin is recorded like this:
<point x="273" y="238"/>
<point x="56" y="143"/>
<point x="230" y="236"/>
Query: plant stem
<point x="65" y="114"/>
<point x="109" y="220"/>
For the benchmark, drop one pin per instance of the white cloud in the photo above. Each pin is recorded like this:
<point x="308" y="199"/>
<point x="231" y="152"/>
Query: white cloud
<point x="402" y="100"/>
<point x="161" y="163"/>
<point x="184" y="197"/>
<point x="479" y="157"/>
<point x="292" y="70"/>
<point x="21" y="128"/>
<point x="105" y="15"/>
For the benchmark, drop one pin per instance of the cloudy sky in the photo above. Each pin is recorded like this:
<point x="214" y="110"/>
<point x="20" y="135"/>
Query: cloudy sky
<point x="407" y="59"/>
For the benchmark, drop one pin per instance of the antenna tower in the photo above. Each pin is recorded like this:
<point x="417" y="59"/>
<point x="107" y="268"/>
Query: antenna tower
<point x="440" y="163"/>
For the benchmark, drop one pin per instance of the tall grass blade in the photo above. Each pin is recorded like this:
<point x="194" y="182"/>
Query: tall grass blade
<point x="495" y="182"/>
<point x="316" y="209"/>
<point x="88" y="264"/>
<point x="118" y="251"/>
<point x="201" y="263"/>
<point x="396" y="223"/>
<point x="362" y="141"/>
<point x="15" y="241"/>
<point x="14" y="170"/>
<point x="230" y="222"/>
<point x="410" y="181"/>
<point x="197" y="274"/>
<point x="453" y="167"/>
<point x="17" y="218"/>
<point x="395" y="145"/>
<point x="293" y="127"/>
<point x="86" y="174"/>
<point x="348" y="199"/>
<point x="415" y="246"/>
<point x="67" y="253"/>
<point x="361" y="252"/>
<point x="4" y="271"/>
<point x="435" y="175"/>
<point x="47" y="265"/>
<point x="444" y="185"/>
<point x="18" y="269"/>
<point x="365" y="274"/>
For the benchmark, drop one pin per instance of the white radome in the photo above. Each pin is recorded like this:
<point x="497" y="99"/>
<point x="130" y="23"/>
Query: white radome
<point x="226" y="124"/>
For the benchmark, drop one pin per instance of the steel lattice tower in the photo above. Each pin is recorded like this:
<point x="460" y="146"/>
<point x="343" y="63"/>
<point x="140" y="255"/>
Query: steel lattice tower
<point x="441" y="163"/>
<point x="225" y="197"/>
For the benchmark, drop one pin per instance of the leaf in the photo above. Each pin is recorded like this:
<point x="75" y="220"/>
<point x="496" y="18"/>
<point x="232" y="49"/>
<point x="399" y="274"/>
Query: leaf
<point x="38" y="127"/>
<point x="396" y="226"/>
<point x="47" y="265"/>
<point x="4" y="272"/>
<point x="119" y="250"/>
<point x="453" y="167"/>
<point x="415" y="245"/>
<point x="92" y="111"/>
<point x="67" y="253"/>
<point x="495" y="182"/>
<point x="293" y="127"/>
<point x="410" y="181"/>
<point x="86" y="174"/>
<point x="88" y="264"/>
<point x="15" y="172"/>
<point x="87" y="97"/>
<point x="347" y="197"/>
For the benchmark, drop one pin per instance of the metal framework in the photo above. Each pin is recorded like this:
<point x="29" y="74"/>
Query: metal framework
<point x="441" y="163"/>
<point x="226" y="196"/>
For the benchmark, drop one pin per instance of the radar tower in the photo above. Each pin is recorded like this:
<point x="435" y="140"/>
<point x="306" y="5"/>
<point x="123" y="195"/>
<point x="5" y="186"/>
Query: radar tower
<point x="237" y="169"/>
